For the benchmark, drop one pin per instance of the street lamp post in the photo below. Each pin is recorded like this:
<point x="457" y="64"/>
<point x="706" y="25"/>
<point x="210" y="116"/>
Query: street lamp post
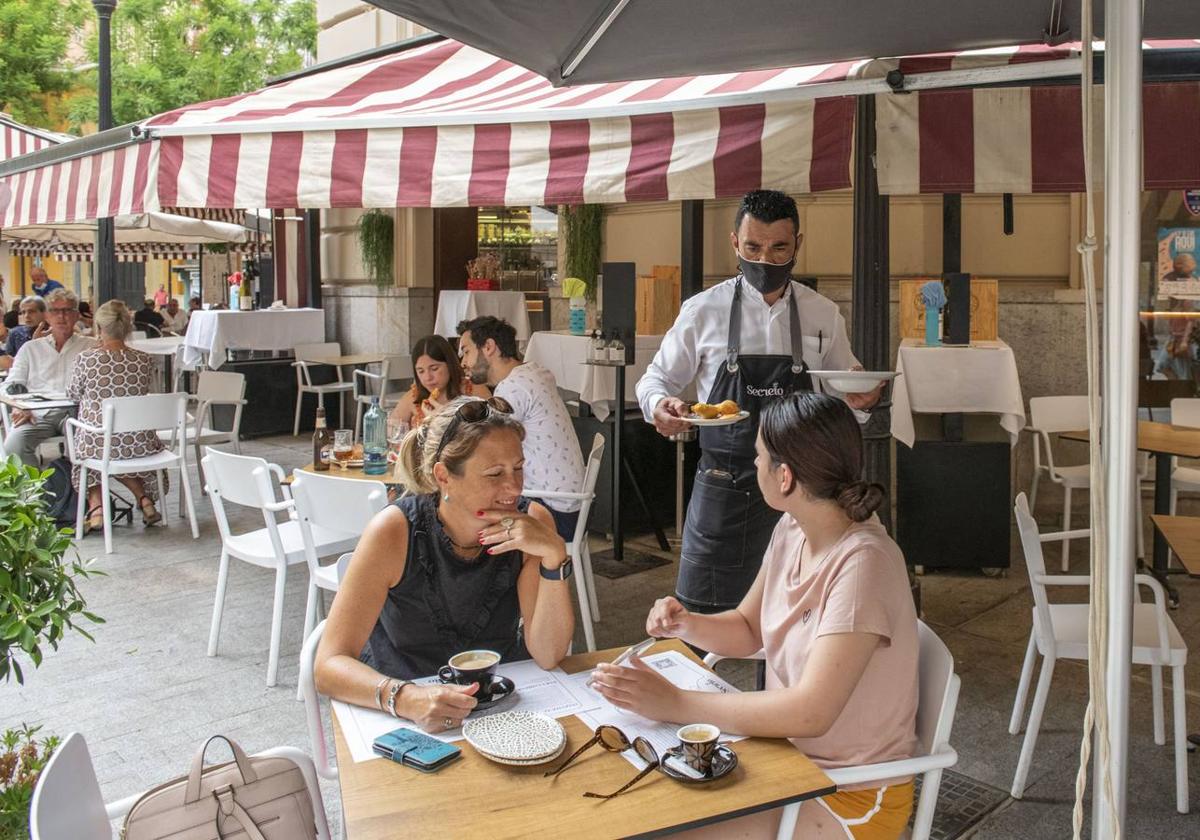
<point x="105" y="257"/>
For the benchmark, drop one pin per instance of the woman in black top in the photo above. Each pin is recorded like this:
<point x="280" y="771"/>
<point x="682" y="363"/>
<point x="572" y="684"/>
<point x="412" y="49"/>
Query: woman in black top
<point x="453" y="567"/>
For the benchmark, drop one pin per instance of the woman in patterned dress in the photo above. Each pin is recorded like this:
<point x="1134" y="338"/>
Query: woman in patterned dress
<point x="114" y="370"/>
<point x="438" y="378"/>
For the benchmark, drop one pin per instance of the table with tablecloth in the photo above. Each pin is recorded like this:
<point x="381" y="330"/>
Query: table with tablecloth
<point x="979" y="379"/>
<point x="455" y="305"/>
<point x="213" y="332"/>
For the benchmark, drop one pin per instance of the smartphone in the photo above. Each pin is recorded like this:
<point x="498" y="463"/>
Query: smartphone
<point x="630" y="652"/>
<point x="416" y="749"/>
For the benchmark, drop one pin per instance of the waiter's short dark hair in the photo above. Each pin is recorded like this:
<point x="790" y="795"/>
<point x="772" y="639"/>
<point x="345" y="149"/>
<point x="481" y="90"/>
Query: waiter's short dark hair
<point x="497" y="329"/>
<point x="767" y="206"/>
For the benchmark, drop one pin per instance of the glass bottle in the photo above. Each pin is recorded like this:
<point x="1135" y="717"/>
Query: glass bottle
<point x="322" y="441"/>
<point x="597" y="351"/>
<point x="375" y="440"/>
<point x="245" y="300"/>
<point x="616" y="349"/>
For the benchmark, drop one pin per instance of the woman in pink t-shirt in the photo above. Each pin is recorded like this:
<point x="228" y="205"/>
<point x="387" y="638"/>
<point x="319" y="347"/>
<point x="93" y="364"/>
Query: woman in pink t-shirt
<point x="832" y="611"/>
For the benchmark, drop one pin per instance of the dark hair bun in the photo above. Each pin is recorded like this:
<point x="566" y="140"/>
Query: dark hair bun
<point x="860" y="499"/>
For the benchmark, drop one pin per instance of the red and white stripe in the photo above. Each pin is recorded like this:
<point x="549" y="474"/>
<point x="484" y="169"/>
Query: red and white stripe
<point x="125" y="251"/>
<point x="291" y="268"/>
<point x="17" y="139"/>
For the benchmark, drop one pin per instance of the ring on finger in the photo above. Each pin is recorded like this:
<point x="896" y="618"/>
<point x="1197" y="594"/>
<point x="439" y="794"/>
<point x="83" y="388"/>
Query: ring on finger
<point x="449" y="723"/>
<point x="507" y="522"/>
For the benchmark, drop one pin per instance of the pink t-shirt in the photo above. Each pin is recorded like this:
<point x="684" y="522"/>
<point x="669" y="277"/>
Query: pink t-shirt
<point x="860" y="585"/>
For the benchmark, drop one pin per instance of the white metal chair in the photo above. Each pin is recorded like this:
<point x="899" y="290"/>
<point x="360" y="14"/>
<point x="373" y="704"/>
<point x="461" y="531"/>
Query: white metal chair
<point x="247" y="481"/>
<point x="151" y="412"/>
<point x="577" y="548"/>
<point x="213" y="388"/>
<point x="67" y="803"/>
<point x="367" y="386"/>
<point x="1049" y="416"/>
<point x="309" y="356"/>
<point x="333" y="504"/>
<point x="936" y="704"/>
<point x="56" y="441"/>
<point x="312" y="705"/>
<point x="1060" y="631"/>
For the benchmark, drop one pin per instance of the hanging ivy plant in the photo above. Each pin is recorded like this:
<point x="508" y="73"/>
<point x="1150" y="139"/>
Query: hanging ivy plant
<point x="376" y="244"/>
<point x="581" y="231"/>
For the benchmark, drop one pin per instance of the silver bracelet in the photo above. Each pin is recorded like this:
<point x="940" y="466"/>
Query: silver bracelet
<point x="395" y="689"/>
<point x="379" y="693"/>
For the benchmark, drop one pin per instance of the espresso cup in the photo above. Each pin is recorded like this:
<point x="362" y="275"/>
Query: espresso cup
<point x="472" y="666"/>
<point x="698" y="744"/>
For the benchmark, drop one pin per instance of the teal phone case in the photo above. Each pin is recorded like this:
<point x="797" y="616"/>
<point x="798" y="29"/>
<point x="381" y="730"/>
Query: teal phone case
<point x="415" y="749"/>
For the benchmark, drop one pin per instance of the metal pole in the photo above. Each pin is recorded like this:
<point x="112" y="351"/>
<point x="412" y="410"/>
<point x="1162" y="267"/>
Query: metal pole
<point x="1122" y="194"/>
<point x="105" y="258"/>
<point x="691" y="240"/>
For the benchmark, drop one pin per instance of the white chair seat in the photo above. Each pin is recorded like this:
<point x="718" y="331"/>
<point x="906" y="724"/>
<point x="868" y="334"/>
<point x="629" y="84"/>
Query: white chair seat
<point x="1075" y="476"/>
<point x="147" y="463"/>
<point x="207" y="436"/>
<point x="1186" y="478"/>
<point x="1071" y="634"/>
<point x="255" y="546"/>
<point x="326" y="576"/>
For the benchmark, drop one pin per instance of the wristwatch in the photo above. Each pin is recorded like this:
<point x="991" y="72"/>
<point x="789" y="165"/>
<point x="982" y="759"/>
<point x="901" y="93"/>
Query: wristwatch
<point x="561" y="573"/>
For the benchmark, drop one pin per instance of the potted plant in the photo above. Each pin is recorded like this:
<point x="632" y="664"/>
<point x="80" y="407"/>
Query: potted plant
<point x="376" y="245"/>
<point x="39" y="602"/>
<point x="581" y="231"/>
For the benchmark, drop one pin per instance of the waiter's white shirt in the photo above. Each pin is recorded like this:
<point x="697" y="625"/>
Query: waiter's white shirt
<point x="697" y="344"/>
<point x="42" y="368"/>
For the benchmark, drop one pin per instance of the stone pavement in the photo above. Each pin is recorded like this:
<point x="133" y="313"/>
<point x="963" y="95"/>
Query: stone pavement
<point x="145" y="695"/>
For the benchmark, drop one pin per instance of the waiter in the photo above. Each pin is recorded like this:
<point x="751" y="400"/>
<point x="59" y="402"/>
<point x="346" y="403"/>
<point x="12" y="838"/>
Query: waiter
<point x="750" y="339"/>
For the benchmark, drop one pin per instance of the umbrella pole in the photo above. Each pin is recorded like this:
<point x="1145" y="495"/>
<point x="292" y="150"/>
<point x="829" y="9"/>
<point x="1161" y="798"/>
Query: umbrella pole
<point x="1122" y="191"/>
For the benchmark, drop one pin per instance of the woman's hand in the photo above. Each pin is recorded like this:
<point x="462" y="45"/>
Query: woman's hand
<point x="431" y="706"/>
<point x="508" y="530"/>
<point x="640" y="689"/>
<point x="667" y="619"/>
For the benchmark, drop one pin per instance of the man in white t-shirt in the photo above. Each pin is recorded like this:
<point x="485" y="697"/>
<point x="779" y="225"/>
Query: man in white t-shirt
<point x="176" y="319"/>
<point x="553" y="459"/>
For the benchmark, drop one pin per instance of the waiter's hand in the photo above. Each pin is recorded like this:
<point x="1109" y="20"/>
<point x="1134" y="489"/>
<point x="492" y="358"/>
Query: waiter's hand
<point x="861" y="402"/>
<point x="667" y="414"/>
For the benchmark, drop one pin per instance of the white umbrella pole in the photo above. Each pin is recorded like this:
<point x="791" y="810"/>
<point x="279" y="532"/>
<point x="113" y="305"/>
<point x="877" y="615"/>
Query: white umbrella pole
<point x="1122" y="193"/>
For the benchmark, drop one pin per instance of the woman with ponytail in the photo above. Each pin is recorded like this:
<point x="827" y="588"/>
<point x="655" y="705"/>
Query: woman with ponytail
<point x="831" y="610"/>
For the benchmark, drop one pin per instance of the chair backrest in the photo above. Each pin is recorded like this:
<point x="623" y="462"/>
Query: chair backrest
<point x="149" y="411"/>
<point x="1035" y="563"/>
<point x="591" y="473"/>
<point x="339" y="504"/>
<point x="317" y="352"/>
<point x="312" y="704"/>
<point x="220" y="386"/>
<point x="67" y="801"/>
<point x="137" y="335"/>
<point x="1059" y="414"/>
<point x="400" y="369"/>
<point x="240" y="479"/>
<point x="938" y="696"/>
<point x="1185" y="411"/>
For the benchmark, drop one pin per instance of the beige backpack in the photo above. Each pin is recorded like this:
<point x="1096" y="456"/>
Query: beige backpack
<point x="260" y="798"/>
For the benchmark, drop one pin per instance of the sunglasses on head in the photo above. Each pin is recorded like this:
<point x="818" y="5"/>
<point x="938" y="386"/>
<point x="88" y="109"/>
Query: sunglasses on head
<point x="615" y="741"/>
<point x="475" y="411"/>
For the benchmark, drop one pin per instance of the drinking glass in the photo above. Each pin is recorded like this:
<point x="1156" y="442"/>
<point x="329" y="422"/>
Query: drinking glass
<point x="343" y="446"/>
<point x="396" y="430"/>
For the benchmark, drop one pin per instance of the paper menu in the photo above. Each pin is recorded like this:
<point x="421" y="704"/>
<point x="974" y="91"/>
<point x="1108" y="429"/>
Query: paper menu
<point x="537" y="691"/>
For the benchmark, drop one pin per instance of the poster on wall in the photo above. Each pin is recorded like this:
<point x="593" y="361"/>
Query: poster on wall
<point x="1177" y="259"/>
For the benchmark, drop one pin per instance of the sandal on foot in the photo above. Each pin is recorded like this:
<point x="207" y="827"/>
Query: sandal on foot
<point x="150" y="515"/>
<point x="94" y="520"/>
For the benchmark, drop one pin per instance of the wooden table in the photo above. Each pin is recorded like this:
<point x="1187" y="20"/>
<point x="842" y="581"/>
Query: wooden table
<point x="355" y="359"/>
<point x="350" y="472"/>
<point x="1182" y="533"/>
<point x="1164" y="441"/>
<point x="477" y="797"/>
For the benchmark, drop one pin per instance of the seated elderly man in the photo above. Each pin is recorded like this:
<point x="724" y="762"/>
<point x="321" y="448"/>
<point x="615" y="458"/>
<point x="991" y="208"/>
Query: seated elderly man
<point x="44" y="367"/>
<point x="176" y="319"/>
<point x="147" y="316"/>
<point x="33" y="325"/>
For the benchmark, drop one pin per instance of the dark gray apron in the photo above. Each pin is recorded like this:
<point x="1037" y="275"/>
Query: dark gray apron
<point x="728" y="523"/>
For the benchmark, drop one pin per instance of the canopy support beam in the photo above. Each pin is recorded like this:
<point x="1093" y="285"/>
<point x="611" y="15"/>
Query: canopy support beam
<point x="691" y="239"/>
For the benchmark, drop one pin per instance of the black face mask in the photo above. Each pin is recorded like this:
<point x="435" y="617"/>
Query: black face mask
<point x="766" y="277"/>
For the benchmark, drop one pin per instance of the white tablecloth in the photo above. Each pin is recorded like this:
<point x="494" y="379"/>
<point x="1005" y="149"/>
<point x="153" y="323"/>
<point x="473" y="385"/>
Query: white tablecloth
<point x="212" y="332"/>
<point x="165" y="346"/>
<point x="564" y="354"/>
<point x="455" y="305"/>
<point x="980" y="379"/>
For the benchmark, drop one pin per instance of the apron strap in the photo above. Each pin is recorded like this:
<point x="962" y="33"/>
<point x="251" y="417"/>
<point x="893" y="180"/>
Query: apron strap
<point x="735" y="328"/>
<point x="796" y="333"/>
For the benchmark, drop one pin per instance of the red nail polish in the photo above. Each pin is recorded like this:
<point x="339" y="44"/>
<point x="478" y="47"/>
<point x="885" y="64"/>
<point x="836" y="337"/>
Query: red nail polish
<point x="491" y="551"/>
<point x="479" y="513"/>
<point x="481" y="540"/>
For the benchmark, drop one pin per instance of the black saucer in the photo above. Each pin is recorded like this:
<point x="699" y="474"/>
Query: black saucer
<point x="725" y="761"/>
<point x="502" y="688"/>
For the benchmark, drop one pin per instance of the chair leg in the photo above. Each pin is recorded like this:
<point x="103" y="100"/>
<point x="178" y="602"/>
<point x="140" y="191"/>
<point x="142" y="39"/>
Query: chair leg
<point x="199" y="470"/>
<point x="1066" y="544"/>
<point x="1141" y="537"/>
<point x="931" y="782"/>
<point x="358" y="411"/>
<point x="186" y="490"/>
<point x="310" y="621"/>
<point x="1018" y="712"/>
<point x="585" y="609"/>
<point x="787" y="821"/>
<point x="81" y="505"/>
<point x="1031" y="730"/>
<point x="296" y="424"/>
<point x="1033" y="486"/>
<point x="107" y="501"/>
<point x="276" y="624"/>
<point x="1156" y="693"/>
<point x="1181" y="768"/>
<point x="214" y="632"/>
<point x="585" y="555"/>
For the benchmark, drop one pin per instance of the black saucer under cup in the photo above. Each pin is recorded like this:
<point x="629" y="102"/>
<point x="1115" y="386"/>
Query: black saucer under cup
<point x="472" y="666"/>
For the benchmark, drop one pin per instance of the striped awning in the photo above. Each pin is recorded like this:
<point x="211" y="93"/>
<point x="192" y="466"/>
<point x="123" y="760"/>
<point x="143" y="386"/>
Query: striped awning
<point x="17" y="139"/>
<point x="126" y="251"/>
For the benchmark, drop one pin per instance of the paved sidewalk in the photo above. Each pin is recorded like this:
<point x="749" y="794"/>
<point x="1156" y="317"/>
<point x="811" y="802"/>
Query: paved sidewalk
<point x="145" y="695"/>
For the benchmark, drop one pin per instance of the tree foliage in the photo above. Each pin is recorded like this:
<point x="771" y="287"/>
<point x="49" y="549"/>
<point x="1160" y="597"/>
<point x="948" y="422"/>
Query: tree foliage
<point x="34" y="40"/>
<point x="172" y="53"/>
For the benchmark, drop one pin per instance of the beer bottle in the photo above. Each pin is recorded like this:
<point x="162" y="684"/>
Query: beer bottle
<point x="322" y="441"/>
